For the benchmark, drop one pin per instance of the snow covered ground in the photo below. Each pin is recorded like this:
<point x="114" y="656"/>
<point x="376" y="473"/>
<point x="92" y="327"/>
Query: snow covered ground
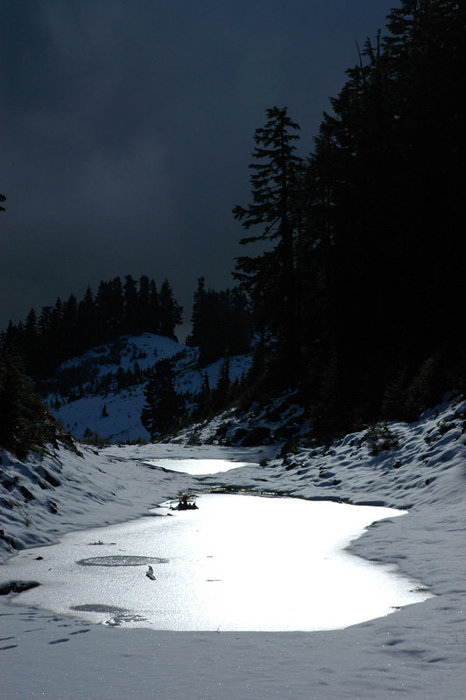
<point x="416" y="652"/>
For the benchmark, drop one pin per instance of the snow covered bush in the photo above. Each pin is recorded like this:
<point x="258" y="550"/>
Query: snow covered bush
<point x="380" y="438"/>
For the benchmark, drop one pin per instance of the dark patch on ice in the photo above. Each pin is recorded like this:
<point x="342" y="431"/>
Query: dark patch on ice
<point x="98" y="608"/>
<point x="17" y="586"/>
<point x="60" y="641"/>
<point x="121" y="560"/>
<point x="119" y="615"/>
<point x="9" y="646"/>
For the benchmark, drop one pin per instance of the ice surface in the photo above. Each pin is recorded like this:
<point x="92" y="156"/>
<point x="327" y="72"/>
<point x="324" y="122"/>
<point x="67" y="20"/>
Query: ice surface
<point x="238" y="562"/>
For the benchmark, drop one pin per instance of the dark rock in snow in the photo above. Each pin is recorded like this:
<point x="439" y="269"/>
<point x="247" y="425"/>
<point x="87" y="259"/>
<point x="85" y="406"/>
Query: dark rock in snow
<point x="17" y="586"/>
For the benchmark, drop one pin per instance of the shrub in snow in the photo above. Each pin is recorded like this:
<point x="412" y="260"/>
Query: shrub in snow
<point x="379" y="438"/>
<point x="186" y="501"/>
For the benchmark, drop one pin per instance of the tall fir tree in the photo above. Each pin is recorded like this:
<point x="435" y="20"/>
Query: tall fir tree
<point x="163" y="407"/>
<point x="130" y="305"/>
<point x="221" y="323"/>
<point x="170" y="311"/>
<point x="271" y="278"/>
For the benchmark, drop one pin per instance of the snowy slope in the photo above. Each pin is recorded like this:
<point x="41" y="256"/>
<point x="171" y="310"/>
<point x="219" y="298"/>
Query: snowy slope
<point x="114" y="414"/>
<point x="417" y="652"/>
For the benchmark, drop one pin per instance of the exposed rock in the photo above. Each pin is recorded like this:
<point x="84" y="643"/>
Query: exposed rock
<point x="17" y="586"/>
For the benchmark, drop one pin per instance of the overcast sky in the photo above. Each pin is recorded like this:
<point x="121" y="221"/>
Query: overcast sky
<point x="127" y="128"/>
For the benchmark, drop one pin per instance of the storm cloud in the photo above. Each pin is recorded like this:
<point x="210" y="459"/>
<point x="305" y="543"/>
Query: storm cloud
<point x="127" y="130"/>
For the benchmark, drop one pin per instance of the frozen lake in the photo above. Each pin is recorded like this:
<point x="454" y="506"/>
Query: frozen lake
<point x="239" y="562"/>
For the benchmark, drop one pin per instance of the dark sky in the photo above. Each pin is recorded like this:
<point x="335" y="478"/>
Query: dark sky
<point x="127" y="128"/>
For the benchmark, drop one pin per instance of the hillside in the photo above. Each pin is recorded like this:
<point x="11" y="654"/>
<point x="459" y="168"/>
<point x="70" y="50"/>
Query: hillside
<point x="101" y="392"/>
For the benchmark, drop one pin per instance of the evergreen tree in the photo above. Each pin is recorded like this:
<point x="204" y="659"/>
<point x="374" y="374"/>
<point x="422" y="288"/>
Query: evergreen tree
<point x="163" y="407"/>
<point x="131" y="305"/>
<point x="70" y="326"/>
<point x="86" y="322"/>
<point x="170" y="311"/>
<point x="198" y="315"/>
<point x="24" y="422"/>
<point x="203" y="399"/>
<point x="154" y="309"/>
<point x="144" y="303"/>
<point x="30" y="341"/>
<point x="238" y="322"/>
<point x="207" y="325"/>
<point x="222" y="389"/>
<point x="271" y="278"/>
<point x="109" y="310"/>
<point x="221" y="323"/>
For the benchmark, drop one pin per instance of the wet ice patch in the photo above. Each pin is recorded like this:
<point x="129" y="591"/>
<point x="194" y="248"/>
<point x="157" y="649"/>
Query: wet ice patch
<point x="99" y="608"/>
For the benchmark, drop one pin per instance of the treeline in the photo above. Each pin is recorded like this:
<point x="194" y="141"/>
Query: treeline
<point x="69" y="328"/>
<point x="221" y="323"/>
<point x="363" y="285"/>
<point x="73" y="383"/>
